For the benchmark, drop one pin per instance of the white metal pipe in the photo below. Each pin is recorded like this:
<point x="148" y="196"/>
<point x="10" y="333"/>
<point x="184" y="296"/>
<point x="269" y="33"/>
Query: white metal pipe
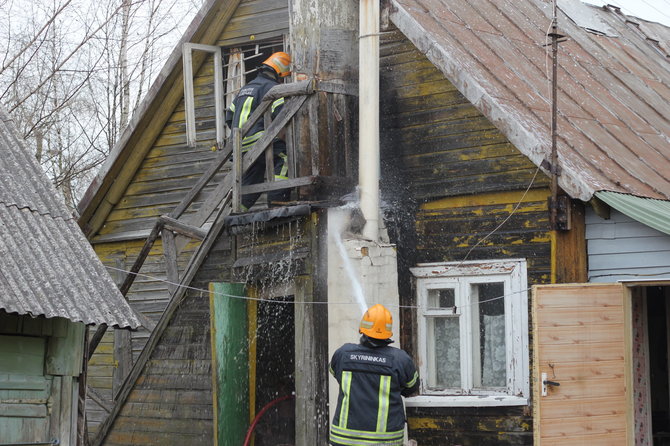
<point x="368" y="117"/>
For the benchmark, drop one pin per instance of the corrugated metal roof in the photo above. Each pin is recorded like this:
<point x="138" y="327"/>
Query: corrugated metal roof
<point x="614" y="120"/>
<point x="651" y="212"/>
<point x="47" y="267"/>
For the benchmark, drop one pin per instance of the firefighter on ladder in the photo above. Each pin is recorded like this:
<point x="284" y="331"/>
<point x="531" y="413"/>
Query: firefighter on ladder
<point x="277" y="66"/>
<point x="372" y="376"/>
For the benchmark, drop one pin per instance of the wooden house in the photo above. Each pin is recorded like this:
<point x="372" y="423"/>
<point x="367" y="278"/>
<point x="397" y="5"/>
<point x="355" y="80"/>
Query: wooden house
<point x="492" y="299"/>
<point x="52" y="286"/>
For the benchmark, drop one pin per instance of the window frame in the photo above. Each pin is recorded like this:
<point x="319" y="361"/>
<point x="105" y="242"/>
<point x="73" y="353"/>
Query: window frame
<point x="462" y="276"/>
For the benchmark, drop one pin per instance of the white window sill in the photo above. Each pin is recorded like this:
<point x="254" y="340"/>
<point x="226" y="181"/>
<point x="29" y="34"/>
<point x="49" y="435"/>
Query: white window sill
<point x="465" y="401"/>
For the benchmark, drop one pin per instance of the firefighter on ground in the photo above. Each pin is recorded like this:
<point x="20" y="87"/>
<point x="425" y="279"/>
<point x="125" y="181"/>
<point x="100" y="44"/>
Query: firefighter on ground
<point x="372" y="376"/>
<point x="249" y="97"/>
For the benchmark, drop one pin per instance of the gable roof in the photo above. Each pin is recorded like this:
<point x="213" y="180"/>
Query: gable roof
<point x="613" y="87"/>
<point x="47" y="266"/>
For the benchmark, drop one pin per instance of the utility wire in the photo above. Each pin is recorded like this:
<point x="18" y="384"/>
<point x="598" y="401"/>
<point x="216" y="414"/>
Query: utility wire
<point x="532" y="181"/>
<point x="505" y="220"/>
<point x="655" y="8"/>
<point x="277" y="301"/>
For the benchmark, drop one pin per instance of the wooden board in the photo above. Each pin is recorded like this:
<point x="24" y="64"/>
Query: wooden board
<point x="580" y="341"/>
<point x="228" y="322"/>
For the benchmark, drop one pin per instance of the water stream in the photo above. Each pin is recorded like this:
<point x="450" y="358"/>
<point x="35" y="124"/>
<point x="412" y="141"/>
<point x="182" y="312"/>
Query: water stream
<point x="338" y="226"/>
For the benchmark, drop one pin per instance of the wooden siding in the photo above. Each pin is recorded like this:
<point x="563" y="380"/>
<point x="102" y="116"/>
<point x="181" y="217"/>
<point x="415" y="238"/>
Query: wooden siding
<point x="256" y="20"/>
<point x="450" y="178"/>
<point x="448" y="229"/>
<point x="171" y="168"/>
<point x="444" y="145"/>
<point x="171" y="402"/>
<point x="471" y="426"/>
<point x="622" y="248"/>
<point x="40" y="363"/>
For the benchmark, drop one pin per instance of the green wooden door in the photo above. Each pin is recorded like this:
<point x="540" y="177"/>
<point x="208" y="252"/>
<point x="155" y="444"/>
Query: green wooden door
<point x="24" y="390"/>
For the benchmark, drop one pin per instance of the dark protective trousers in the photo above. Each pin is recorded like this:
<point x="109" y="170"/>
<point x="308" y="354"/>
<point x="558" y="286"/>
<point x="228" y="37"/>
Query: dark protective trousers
<point x="256" y="173"/>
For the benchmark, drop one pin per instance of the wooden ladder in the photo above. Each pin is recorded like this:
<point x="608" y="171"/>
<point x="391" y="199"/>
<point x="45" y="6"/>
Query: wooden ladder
<point x="222" y="201"/>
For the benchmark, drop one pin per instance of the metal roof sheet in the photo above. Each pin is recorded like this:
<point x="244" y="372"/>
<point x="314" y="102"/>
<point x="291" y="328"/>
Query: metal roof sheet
<point x="47" y="267"/>
<point x="614" y="88"/>
<point x="648" y="211"/>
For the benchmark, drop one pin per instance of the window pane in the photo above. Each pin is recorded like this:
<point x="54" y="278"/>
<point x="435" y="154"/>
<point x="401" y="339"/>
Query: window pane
<point x="444" y="298"/>
<point x="445" y="357"/>
<point x="489" y="317"/>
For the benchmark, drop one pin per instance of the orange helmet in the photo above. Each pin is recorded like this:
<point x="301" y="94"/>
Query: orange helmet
<point x="377" y="322"/>
<point x="280" y="62"/>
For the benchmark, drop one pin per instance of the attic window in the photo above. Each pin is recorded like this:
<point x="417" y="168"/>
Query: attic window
<point x="240" y="64"/>
<point x="587" y="17"/>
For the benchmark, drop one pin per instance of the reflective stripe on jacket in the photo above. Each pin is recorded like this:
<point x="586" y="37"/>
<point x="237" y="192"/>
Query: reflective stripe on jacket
<point x="369" y="405"/>
<point x="246" y="102"/>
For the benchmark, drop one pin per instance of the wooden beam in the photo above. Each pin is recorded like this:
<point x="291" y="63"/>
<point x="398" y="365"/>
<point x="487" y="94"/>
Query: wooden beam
<point x="290" y="151"/>
<point x="123" y="354"/>
<point x="346" y="88"/>
<point x="170" y="254"/>
<point x="313" y="108"/>
<point x="571" y="257"/>
<point x="125" y="286"/>
<point x="601" y="208"/>
<point x="236" y="171"/>
<point x="269" y="151"/>
<point x="95" y="340"/>
<point x="189" y="97"/>
<point x="99" y="399"/>
<point x="181" y="228"/>
<point x="175" y="300"/>
<point x="280" y="184"/>
<point x="311" y="341"/>
<point x="141" y="257"/>
<point x="213" y="169"/>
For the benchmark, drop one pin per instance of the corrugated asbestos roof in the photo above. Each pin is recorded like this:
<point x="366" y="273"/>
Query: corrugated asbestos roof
<point x="47" y="267"/>
<point x="614" y="84"/>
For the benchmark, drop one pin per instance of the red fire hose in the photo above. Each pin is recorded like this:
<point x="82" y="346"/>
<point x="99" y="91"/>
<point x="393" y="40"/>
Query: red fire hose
<point x="257" y="418"/>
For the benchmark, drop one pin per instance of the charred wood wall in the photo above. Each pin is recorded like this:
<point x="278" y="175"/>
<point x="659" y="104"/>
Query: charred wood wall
<point x="450" y="178"/>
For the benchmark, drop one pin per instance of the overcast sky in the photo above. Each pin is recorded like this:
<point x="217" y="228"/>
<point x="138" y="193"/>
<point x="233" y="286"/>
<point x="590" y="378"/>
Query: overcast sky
<point x="652" y="10"/>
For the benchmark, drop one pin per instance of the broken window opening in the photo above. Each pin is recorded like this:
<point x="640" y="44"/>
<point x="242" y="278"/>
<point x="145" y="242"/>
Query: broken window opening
<point x="241" y="63"/>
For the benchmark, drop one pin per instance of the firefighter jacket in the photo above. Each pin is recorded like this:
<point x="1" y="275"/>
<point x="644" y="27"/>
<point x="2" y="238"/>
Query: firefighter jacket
<point x="369" y="405"/>
<point x="249" y="97"/>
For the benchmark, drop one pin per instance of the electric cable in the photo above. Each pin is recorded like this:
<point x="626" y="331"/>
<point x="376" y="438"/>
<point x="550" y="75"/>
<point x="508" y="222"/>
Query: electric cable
<point x="276" y="301"/>
<point x="505" y="220"/>
<point x="655" y="8"/>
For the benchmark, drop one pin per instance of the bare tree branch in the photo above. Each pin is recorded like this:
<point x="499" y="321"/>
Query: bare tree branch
<point x="37" y="35"/>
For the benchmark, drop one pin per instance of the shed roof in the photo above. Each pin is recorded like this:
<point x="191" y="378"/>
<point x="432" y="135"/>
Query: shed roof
<point x="613" y="87"/>
<point x="47" y="267"/>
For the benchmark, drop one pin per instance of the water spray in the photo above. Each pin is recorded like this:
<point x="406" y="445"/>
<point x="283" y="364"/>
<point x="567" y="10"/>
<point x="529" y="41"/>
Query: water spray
<point x="340" y="221"/>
